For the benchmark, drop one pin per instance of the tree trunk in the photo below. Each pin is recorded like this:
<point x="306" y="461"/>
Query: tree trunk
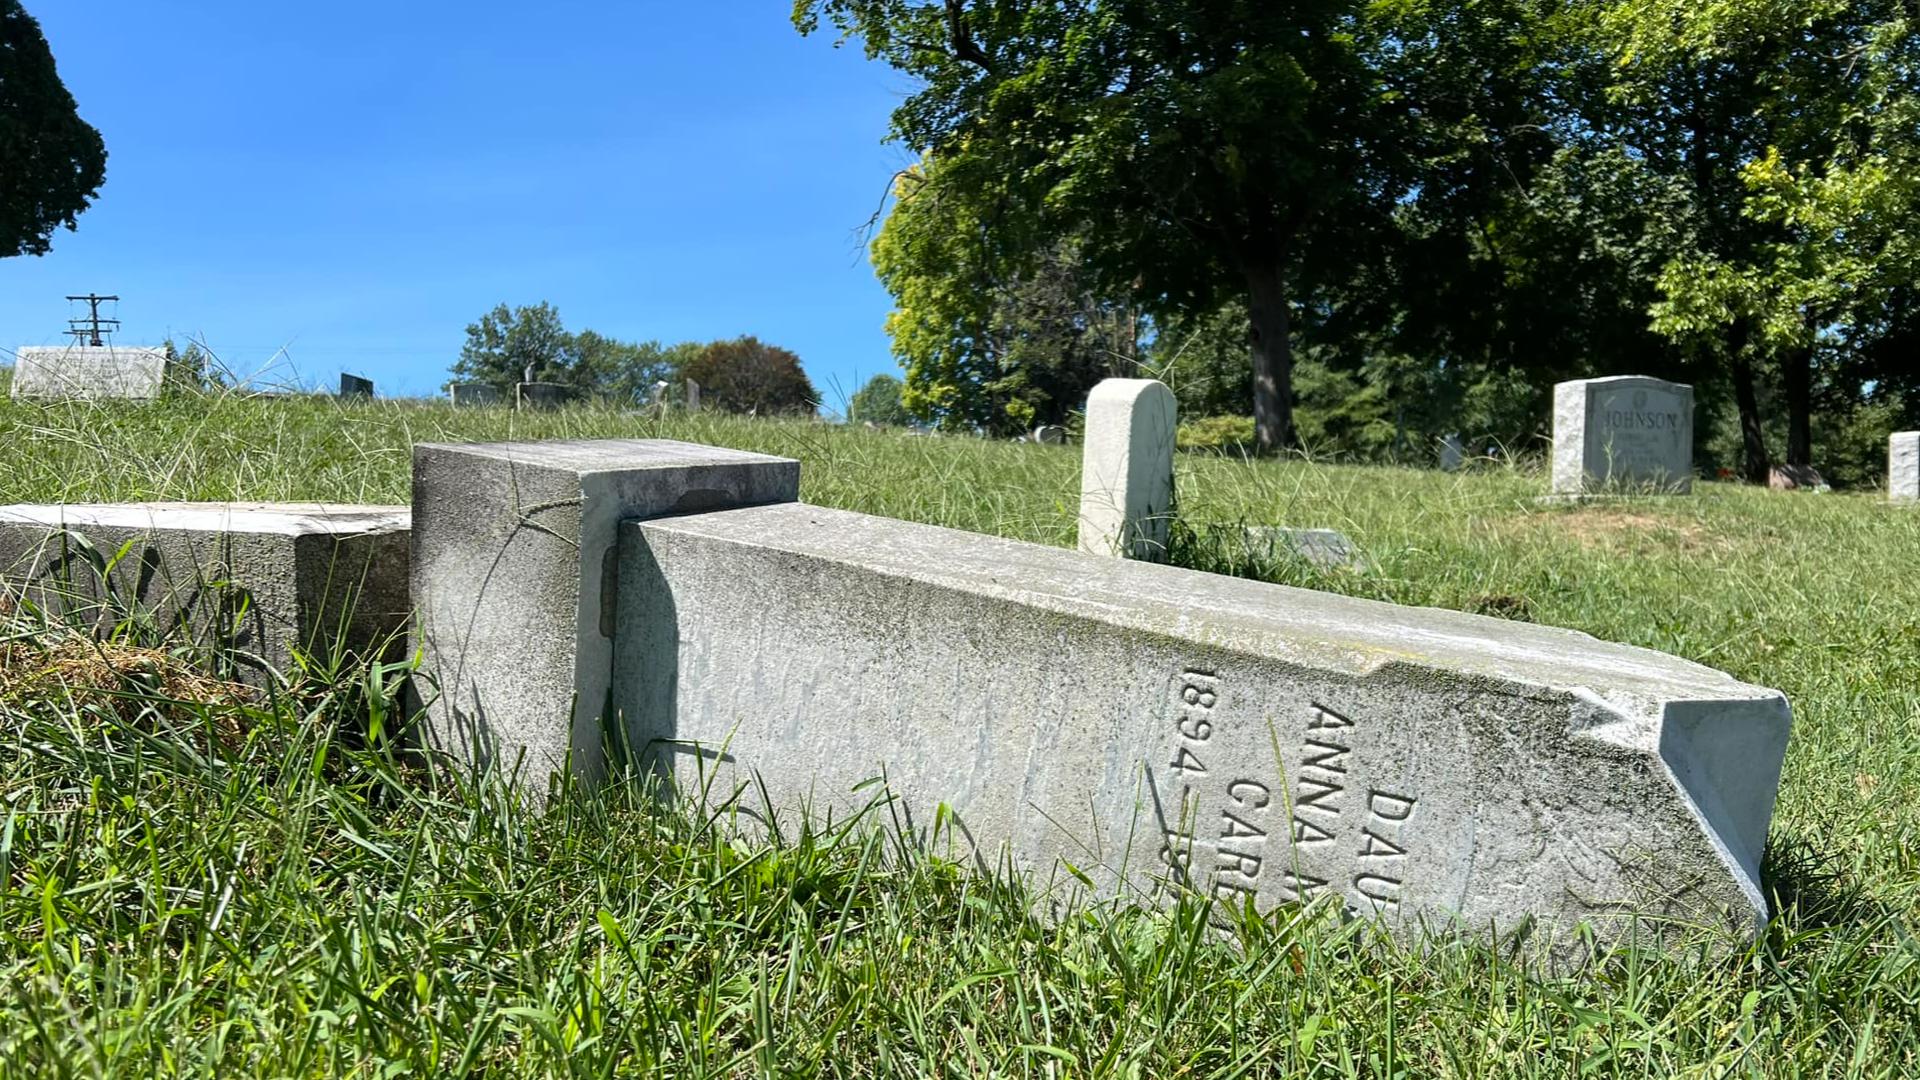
<point x="1272" y="342"/>
<point x="1753" y="441"/>
<point x="1799" y="380"/>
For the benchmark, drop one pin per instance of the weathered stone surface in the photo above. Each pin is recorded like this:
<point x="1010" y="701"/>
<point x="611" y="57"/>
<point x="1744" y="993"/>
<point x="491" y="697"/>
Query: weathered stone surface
<point x="1151" y="725"/>
<point x="355" y="387"/>
<point x="1328" y="549"/>
<point x="1903" y="467"/>
<point x="513" y="551"/>
<point x="693" y="396"/>
<point x="469" y="394"/>
<point x="1050" y="435"/>
<point x="543" y="395"/>
<point x="88" y="371"/>
<point x="1628" y="432"/>
<point x="311" y="576"/>
<point x="1453" y="453"/>
<point x="1126" y="472"/>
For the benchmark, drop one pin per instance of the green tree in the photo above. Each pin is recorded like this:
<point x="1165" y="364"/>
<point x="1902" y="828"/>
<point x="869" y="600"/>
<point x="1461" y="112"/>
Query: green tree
<point x="879" y="402"/>
<point x="1195" y="149"/>
<point x="620" y="371"/>
<point x="746" y="375"/>
<point x="51" y="161"/>
<point x="506" y="344"/>
<point x="993" y="339"/>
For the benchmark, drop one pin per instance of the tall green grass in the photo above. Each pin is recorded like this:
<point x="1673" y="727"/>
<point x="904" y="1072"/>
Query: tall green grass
<point x="294" y="904"/>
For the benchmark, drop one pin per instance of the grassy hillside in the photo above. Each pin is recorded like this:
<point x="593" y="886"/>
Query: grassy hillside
<point x="233" y="889"/>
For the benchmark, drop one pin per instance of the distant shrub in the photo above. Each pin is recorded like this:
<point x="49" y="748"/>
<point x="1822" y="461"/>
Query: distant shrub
<point x="1220" y="434"/>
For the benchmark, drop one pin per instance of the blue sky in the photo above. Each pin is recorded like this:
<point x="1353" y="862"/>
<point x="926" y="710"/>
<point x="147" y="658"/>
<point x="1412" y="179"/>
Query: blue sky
<point x="346" y="185"/>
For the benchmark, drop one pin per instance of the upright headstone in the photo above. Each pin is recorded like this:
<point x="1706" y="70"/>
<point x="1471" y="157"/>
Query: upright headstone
<point x="354" y="386"/>
<point x="1903" y="467"/>
<point x="1453" y="454"/>
<point x="1126" y="471"/>
<point x="1160" y="728"/>
<point x="1050" y="435"/>
<point x="1628" y="432"/>
<point x="543" y="395"/>
<point x="473" y="394"/>
<point x="513" y="582"/>
<point x="90" y="372"/>
<point x="264" y="579"/>
<point x="693" y="396"/>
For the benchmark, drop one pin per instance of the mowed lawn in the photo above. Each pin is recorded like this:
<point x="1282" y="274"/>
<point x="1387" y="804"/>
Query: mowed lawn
<point x="238" y="889"/>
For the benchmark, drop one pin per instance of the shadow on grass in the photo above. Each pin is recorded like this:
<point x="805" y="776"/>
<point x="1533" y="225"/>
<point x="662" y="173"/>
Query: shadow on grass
<point x="1808" y="892"/>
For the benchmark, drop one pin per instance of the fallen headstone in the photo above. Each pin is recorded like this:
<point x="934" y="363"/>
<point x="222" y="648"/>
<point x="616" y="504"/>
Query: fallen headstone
<point x="1626" y="433"/>
<point x="1148" y="729"/>
<point x="1126" y="471"/>
<point x="1903" y="467"/>
<point x="472" y="394"/>
<point x="1327" y="549"/>
<point x="88" y="372"/>
<point x="263" y="579"/>
<point x="354" y="386"/>
<point x="513" y="556"/>
<point x="542" y="395"/>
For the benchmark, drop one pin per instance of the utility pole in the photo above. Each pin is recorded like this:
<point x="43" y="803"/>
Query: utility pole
<point x="86" y="330"/>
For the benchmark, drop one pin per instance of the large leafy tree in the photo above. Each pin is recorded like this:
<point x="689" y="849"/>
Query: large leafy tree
<point x="507" y="345"/>
<point x="747" y="375"/>
<point x="878" y="402"/>
<point x="1197" y="150"/>
<point x="51" y="161"/>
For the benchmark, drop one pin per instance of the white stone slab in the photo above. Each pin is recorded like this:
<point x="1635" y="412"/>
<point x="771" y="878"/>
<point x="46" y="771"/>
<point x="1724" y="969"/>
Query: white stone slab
<point x="261" y="579"/>
<point x="1903" y="467"/>
<point x="1157" y="727"/>
<point x="1453" y="454"/>
<point x="1126" y="472"/>
<point x="693" y="396"/>
<point x="1626" y="433"/>
<point x="88" y="372"/>
<point x="512" y="577"/>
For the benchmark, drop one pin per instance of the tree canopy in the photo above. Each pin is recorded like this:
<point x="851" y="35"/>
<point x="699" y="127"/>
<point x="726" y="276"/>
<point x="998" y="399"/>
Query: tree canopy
<point x="747" y="375"/>
<point x="52" y="163"/>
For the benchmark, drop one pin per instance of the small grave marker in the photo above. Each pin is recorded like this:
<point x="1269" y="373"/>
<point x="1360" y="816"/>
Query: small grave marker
<point x="1903" y="467"/>
<point x="1628" y="433"/>
<point x="1126" y="471"/>
<point x="88" y="372"/>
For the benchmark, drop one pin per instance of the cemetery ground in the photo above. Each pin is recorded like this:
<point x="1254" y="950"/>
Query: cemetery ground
<point x="204" y="880"/>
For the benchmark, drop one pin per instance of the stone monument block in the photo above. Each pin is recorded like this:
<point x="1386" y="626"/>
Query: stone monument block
<point x="91" y="372"/>
<point x="1126" y="472"/>
<point x="1903" y="467"/>
<point x="353" y="386"/>
<point x="1453" y="454"/>
<point x="513" y="579"/>
<point x="1625" y="433"/>
<point x="1159" y="729"/>
<point x="1050" y="435"/>
<point x="261" y="578"/>
<point x="693" y="396"/>
<point x="543" y="395"/>
<point x="472" y="394"/>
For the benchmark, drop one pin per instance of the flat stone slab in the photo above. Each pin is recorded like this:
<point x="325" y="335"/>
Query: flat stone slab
<point x="57" y="372"/>
<point x="1161" y="729"/>
<point x="311" y="576"/>
<point x="1328" y="549"/>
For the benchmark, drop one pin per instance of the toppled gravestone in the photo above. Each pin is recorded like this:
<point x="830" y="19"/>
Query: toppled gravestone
<point x="1141" y="728"/>
<point x="1328" y="549"/>
<point x="1158" y="728"/>
<point x="258" y="579"/>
